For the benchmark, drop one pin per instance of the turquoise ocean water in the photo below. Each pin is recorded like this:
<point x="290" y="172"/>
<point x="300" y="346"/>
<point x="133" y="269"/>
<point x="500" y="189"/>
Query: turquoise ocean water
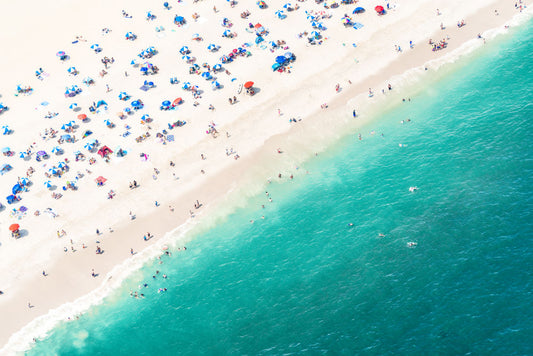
<point x="303" y="281"/>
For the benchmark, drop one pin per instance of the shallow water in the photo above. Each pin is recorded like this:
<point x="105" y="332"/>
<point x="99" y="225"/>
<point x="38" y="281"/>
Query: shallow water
<point x="303" y="280"/>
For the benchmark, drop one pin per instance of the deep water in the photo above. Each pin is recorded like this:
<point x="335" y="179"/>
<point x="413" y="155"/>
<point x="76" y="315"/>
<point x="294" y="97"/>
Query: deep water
<point x="303" y="281"/>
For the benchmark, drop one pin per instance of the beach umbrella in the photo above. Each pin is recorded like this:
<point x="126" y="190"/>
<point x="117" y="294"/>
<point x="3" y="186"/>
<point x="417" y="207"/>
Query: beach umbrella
<point x="88" y="146"/>
<point x="100" y="180"/>
<point x="53" y="170"/>
<point x="95" y="47"/>
<point x="379" y="9"/>
<point x="248" y="85"/>
<point x="135" y="103"/>
<point x="48" y="184"/>
<point x="100" y="103"/>
<point x="130" y="35"/>
<point x="186" y="58"/>
<point x="280" y="59"/>
<point x="123" y="96"/>
<point x="217" y="66"/>
<point x="196" y="35"/>
<point x="226" y="33"/>
<point x="177" y="101"/>
<point x="206" y="75"/>
<point x="211" y="47"/>
<point x="41" y="153"/>
<point x="107" y="122"/>
<point x="186" y="85"/>
<point x="216" y="85"/>
<point x="16" y="189"/>
<point x="6" y="150"/>
<point x="14" y="227"/>
<point x="60" y="53"/>
<point x="24" y="181"/>
<point x="61" y="164"/>
<point x="87" y="133"/>
<point x="23" y="154"/>
<point x="184" y="50"/>
<point x="72" y="70"/>
<point x="65" y="127"/>
<point x="358" y="10"/>
<point x="6" y="129"/>
<point x="82" y="117"/>
<point x="56" y="149"/>
<point x="73" y="106"/>
<point x="259" y="39"/>
<point x="166" y="103"/>
<point x="287" y="5"/>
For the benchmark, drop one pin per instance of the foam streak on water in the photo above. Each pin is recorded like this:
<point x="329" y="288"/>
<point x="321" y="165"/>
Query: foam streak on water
<point x="304" y="281"/>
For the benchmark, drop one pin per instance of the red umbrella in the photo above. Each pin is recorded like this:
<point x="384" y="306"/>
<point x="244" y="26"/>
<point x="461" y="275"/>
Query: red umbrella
<point x="379" y="8"/>
<point x="14" y="227"/>
<point x="248" y="85"/>
<point x="82" y="116"/>
<point x="177" y="101"/>
<point x="100" y="179"/>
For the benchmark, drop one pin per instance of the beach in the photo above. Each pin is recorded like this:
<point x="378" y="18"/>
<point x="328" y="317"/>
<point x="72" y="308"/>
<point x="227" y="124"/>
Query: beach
<point x="203" y="169"/>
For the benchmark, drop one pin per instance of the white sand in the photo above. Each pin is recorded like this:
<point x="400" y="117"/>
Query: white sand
<point x="37" y="31"/>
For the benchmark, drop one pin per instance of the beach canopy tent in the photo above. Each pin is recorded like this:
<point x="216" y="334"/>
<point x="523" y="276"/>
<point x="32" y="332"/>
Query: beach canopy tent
<point x="104" y="151"/>
<point x="12" y="198"/>
<point x="248" y="85"/>
<point x="17" y="188"/>
<point x="379" y="9"/>
<point x="87" y="133"/>
<point x="358" y="10"/>
<point x="14" y="227"/>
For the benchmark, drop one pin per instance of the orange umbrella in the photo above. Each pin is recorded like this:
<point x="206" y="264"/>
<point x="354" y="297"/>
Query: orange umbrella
<point x="248" y="85"/>
<point x="82" y="116"/>
<point x="177" y="101"/>
<point x="14" y="227"/>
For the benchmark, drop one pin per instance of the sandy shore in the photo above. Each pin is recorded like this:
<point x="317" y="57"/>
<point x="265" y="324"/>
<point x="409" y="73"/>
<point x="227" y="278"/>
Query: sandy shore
<point x="255" y="128"/>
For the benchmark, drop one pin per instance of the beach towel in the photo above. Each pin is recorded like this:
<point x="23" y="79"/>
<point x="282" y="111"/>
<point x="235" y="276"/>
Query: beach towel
<point x="170" y="138"/>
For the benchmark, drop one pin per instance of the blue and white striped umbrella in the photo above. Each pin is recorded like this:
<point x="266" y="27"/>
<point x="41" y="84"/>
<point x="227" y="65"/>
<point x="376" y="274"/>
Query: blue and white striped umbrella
<point x="23" y="154"/>
<point x="73" y="106"/>
<point x="287" y="5"/>
<point x="24" y="181"/>
<point x="88" y="146"/>
<point x="61" y="165"/>
<point x="217" y="66"/>
<point x="48" y="184"/>
<point x="56" y="149"/>
<point x="95" y="46"/>
<point x="206" y="75"/>
<point x="186" y="85"/>
<point x="184" y="49"/>
<point x="72" y="70"/>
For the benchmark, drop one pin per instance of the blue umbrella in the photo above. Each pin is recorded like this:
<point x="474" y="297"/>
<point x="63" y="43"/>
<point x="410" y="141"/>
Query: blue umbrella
<point x="166" y="103"/>
<point x="60" y="53"/>
<point x="358" y="10"/>
<point x="6" y="149"/>
<point x="7" y="130"/>
<point x="135" y="103"/>
<point x="73" y="106"/>
<point x="280" y="59"/>
<point x="259" y="39"/>
<point x="100" y="103"/>
<point x="315" y="34"/>
<point x="130" y="35"/>
<point x="179" y="19"/>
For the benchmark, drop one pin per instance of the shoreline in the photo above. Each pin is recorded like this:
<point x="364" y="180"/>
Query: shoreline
<point x="230" y="178"/>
